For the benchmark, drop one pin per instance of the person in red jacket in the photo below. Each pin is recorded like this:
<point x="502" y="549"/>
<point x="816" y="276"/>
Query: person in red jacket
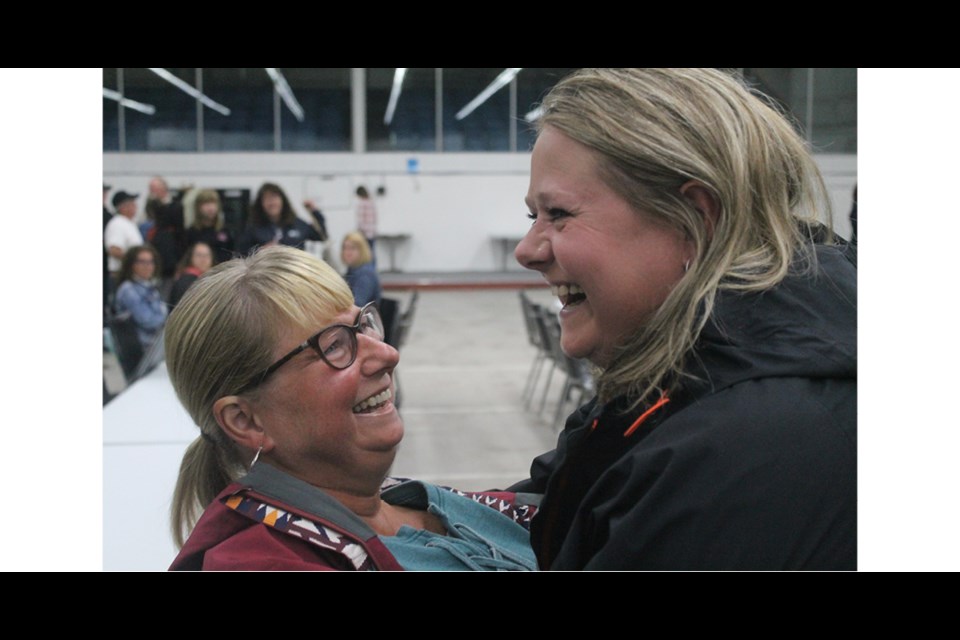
<point x="291" y="385"/>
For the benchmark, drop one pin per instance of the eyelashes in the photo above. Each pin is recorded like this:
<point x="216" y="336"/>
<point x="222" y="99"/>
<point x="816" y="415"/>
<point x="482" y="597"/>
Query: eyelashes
<point x="553" y="214"/>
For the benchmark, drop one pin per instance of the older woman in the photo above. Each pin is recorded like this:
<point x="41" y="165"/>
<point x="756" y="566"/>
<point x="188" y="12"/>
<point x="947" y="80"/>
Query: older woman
<point x="361" y="272"/>
<point x="291" y="384"/>
<point x="672" y="214"/>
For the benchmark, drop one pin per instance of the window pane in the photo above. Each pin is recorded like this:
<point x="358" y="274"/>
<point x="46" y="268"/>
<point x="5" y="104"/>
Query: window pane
<point x="532" y="86"/>
<point x="788" y="89"/>
<point x="111" y="108"/>
<point x="829" y="120"/>
<point x="324" y="95"/>
<point x="413" y="127"/>
<point x="835" y="110"/>
<point x="248" y="93"/>
<point x="174" y="125"/>
<point x="487" y="128"/>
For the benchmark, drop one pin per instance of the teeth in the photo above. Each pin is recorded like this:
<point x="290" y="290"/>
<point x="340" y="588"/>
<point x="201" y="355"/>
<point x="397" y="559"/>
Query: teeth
<point x="564" y="290"/>
<point x="373" y="401"/>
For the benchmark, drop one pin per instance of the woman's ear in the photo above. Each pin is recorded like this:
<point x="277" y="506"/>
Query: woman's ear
<point x="703" y="200"/>
<point x="235" y="416"/>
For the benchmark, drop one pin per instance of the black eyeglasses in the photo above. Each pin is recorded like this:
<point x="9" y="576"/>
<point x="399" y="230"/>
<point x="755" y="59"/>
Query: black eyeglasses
<point x="336" y="344"/>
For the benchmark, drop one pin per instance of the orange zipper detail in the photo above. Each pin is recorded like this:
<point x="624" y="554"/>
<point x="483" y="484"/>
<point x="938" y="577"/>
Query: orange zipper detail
<point x="646" y="414"/>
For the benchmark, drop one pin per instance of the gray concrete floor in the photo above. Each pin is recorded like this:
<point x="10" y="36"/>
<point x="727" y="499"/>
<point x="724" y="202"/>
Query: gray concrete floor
<point x="462" y="375"/>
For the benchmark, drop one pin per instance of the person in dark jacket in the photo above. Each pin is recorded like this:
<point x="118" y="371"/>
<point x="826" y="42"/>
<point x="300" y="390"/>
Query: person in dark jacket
<point x="208" y="226"/>
<point x="291" y="385"/>
<point x="273" y="221"/>
<point x="167" y="233"/>
<point x="674" y="215"/>
<point x="196" y="261"/>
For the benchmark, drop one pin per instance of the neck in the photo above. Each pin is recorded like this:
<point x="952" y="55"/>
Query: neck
<point x="381" y="516"/>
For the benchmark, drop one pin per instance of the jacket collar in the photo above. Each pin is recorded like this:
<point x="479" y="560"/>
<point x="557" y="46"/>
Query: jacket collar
<point x="270" y="481"/>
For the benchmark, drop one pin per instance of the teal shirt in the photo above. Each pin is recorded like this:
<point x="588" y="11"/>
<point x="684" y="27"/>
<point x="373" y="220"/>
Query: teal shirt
<point x="478" y="538"/>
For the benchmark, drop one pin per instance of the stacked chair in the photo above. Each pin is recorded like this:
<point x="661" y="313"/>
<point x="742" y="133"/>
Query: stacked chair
<point x="543" y="333"/>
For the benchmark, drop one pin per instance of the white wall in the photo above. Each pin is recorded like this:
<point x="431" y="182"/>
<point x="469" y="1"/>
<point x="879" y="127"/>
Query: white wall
<point x="452" y="206"/>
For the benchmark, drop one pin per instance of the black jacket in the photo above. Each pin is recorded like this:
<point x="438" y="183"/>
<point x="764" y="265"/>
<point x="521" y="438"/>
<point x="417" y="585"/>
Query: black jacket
<point x="293" y="235"/>
<point x="752" y="466"/>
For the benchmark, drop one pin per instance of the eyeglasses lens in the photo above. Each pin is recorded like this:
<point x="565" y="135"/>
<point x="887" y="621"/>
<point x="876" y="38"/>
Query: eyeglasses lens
<point x="338" y="345"/>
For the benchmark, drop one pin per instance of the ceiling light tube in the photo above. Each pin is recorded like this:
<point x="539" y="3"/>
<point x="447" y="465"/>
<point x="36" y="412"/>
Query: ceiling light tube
<point x="190" y="91"/>
<point x="394" y="94"/>
<point x="502" y="80"/>
<point x="148" y="109"/>
<point x="280" y="84"/>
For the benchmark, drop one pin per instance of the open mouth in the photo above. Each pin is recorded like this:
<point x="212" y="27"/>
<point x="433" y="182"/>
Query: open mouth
<point x="373" y="403"/>
<point x="569" y="294"/>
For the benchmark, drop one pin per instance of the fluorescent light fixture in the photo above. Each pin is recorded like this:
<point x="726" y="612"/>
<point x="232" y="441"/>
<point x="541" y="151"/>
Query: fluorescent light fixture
<point x="533" y="114"/>
<point x="502" y="80"/>
<point x="280" y="84"/>
<point x="148" y="109"/>
<point x="394" y="94"/>
<point x="190" y="91"/>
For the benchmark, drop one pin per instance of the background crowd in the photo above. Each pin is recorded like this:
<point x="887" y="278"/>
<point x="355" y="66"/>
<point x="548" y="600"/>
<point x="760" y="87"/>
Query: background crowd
<point x="151" y="260"/>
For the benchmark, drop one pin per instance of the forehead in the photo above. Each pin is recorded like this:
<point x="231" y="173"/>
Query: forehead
<point x="561" y="166"/>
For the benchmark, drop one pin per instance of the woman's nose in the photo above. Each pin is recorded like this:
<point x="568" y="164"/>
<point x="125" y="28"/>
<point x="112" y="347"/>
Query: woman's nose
<point x="375" y="355"/>
<point x="533" y="251"/>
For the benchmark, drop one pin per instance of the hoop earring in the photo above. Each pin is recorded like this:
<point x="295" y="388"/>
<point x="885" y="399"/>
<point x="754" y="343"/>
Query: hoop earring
<point x="256" y="457"/>
<point x="686" y="266"/>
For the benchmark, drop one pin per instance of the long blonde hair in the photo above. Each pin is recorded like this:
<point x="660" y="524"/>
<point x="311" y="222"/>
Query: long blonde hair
<point x="202" y="198"/>
<point x="222" y="334"/>
<point x="654" y="130"/>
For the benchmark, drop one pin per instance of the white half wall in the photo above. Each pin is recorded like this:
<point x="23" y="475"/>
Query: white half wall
<point x="451" y="205"/>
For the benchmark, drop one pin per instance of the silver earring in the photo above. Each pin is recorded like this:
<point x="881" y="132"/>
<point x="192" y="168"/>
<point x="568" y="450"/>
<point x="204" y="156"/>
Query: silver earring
<point x="256" y="457"/>
<point x="686" y="266"/>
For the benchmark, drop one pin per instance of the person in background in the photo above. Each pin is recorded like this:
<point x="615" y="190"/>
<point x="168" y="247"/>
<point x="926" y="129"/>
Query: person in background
<point x="138" y="295"/>
<point x="367" y="218"/>
<point x="208" y="226"/>
<point x="673" y="213"/>
<point x="198" y="259"/>
<point x="361" y="273"/>
<point x="148" y="226"/>
<point x="167" y="234"/>
<point x="273" y="221"/>
<point x="121" y="233"/>
<point x="291" y="386"/>
<point x="107" y="215"/>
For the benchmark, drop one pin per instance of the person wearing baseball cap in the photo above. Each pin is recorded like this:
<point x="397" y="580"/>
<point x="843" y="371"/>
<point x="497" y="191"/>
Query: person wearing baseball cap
<point x="121" y="232"/>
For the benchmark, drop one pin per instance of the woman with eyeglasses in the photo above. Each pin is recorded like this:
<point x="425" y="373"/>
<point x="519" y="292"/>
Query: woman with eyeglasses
<point x="291" y="385"/>
<point x="138" y="294"/>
